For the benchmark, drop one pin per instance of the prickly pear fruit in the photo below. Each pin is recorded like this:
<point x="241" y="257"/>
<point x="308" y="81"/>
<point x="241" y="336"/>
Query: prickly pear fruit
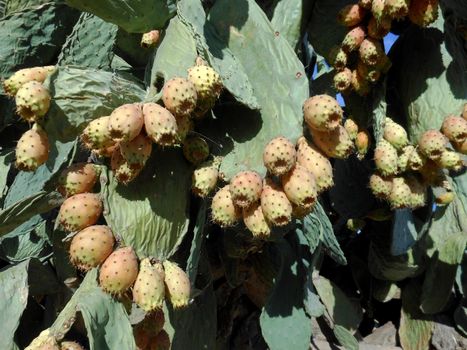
<point x="275" y="205"/>
<point x="23" y="76"/>
<point x="404" y="158"/>
<point x="455" y="128"/>
<point x="300" y="187"/>
<point x="122" y="170"/>
<point x="444" y="197"/>
<point x="351" y="15"/>
<point x="149" y="289"/>
<point x="150" y="39"/>
<point x="371" y="51"/>
<point x="32" y="101"/>
<point x="432" y="143"/>
<point x="44" y="341"/>
<point x="204" y="178"/>
<point x="362" y="143"/>
<point x="366" y="4"/>
<point x="184" y="126"/>
<point x="195" y="149"/>
<point x="177" y="285"/>
<point x="359" y="84"/>
<point x="385" y="158"/>
<point x="450" y="160"/>
<point x="78" y="178"/>
<point x="397" y="9"/>
<point x="91" y="246"/>
<point x="464" y="112"/>
<point x="423" y="12"/>
<point x="351" y="127"/>
<point x="322" y="112"/>
<point x="126" y="122"/>
<point x="119" y="271"/>
<point x="161" y="126"/>
<point x="207" y="82"/>
<point x="335" y="144"/>
<point x="380" y="186"/>
<point x="312" y="159"/>
<point x="401" y="194"/>
<point x="279" y="156"/>
<point x="255" y="221"/>
<point x="372" y="74"/>
<point x="245" y="188"/>
<point x="461" y="147"/>
<point x="80" y="211"/>
<point x="418" y="192"/>
<point x="179" y="96"/>
<point x="96" y="135"/>
<point x="70" y="345"/>
<point x="416" y="160"/>
<point x="223" y="210"/>
<point x="378" y="8"/>
<point x="343" y="80"/>
<point x="160" y="342"/>
<point x="32" y="149"/>
<point x="137" y="151"/>
<point x="353" y="39"/>
<point x="395" y="134"/>
<point x="338" y="58"/>
<point x="378" y="30"/>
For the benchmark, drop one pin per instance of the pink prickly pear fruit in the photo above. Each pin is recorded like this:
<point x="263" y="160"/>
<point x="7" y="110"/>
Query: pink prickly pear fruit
<point x="351" y="127"/>
<point x="23" y="76"/>
<point x="416" y="160"/>
<point x="359" y="84"/>
<point x="335" y="144"/>
<point x="96" y="135"/>
<point x="378" y="30"/>
<point x="123" y="171"/>
<point x="450" y="160"/>
<point x="312" y="159"/>
<point x="207" y="82"/>
<point x="386" y="158"/>
<point x="150" y="39"/>
<point x="432" y="143"/>
<point x="455" y="128"/>
<point x="338" y="58"/>
<point x="322" y="113"/>
<point x="351" y="15"/>
<point x="70" y="345"/>
<point x="372" y="74"/>
<point x="300" y="187"/>
<point x="418" y="192"/>
<point x="461" y="147"/>
<point x="362" y="143"/>
<point x="32" y="101"/>
<point x="371" y="51"/>
<point x="223" y="210"/>
<point x="91" y="246"/>
<point x="397" y="9"/>
<point x="80" y="211"/>
<point x="160" y="125"/>
<point x="255" y="221"/>
<point x="343" y="80"/>
<point x="366" y="4"/>
<point x="32" y="149"/>
<point x="184" y="127"/>
<point x="126" y="122"/>
<point x="401" y="194"/>
<point x="137" y="151"/>
<point x="275" y="205"/>
<point x="353" y="39"/>
<point x="380" y="186"/>
<point x="245" y="188"/>
<point x="160" y="342"/>
<point x="378" y="9"/>
<point x="119" y="271"/>
<point x="195" y="149"/>
<point x="423" y="12"/>
<point x="204" y="178"/>
<point x="395" y="134"/>
<point x="149" y="288"/>
<point x="78" y="178"/>
<point x="177" y="285"/>
<point x="279" y="156"/>
<point x="179" y="96"/>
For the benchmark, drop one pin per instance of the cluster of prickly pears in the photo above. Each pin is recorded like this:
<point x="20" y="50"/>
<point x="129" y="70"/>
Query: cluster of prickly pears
<point x="360" y="60"/>
<point x="149" y="333"/>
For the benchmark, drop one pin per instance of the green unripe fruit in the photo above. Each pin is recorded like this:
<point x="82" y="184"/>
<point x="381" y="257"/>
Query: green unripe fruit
<point x="195" y="149"/>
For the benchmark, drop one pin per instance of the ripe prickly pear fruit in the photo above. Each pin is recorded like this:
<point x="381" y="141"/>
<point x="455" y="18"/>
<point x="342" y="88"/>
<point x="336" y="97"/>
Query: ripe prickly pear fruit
<point x="338" y="58"/>
<point x="461" y="147"/>
<point x="353" y="39"/>
<point x="359" y="84"/>
<point x="312" y="159"/>
<point x="418" y="192"/>
<point x="137" y="151"/>
<point x="279" y="156"/>
<point x="404" y="158"/>
<point x="32" y="101"/>
<point x="371" y="51"/>
<point x="119" y="271"/>
<point x="245" y="188"/>
<point x="397" y="9"/>
<point x="123" y="171"/>
<point x="161" y="126"/>
<point x="362" y="143"/>
<point x="32" y="149"/>
<point x="351" y="15"/>
<point x="385" y="158"/>
<point x="455" y="128"/>
<point x="207" y="82"/>
<point x="177" y="285"/>
<point x="351" y="127"/>
<point x="150" y="39"/>
<point x="275" y="205"/>
<point x="380" y="186"/>
<point x="255" y="221"/>
<point x="78" y="178"/>
<point x="126" y="122"/>
<point x="322" y="113"/>
<point x="343" y="80"/>
<point x="416" y="160"/>
<point x="96" y="135"/>
<point x="432" y="143"/>
<point x="372" y="74"/>
<point x="179" y="96"/>
<point x="91" y="246"/>
<point x="149" y="289"/>
<point x="335" y="144"/>
<point x="395" y="134"/>
<point x="195" y="149"/>
<point x="23" y="76"/>
<point x="160" y="342"/>
<point x="70" y="345"/>
<point x="423" y="12"/>
<point x="80" y="211"/>
<point x="378" y="30"/>
<point x="450" y="160"/>
<point x="300" y="187"/>
<point x="204" y="178"/>
<point x="223" y="210"/>
<point x="401" y="194"/>
<point x="378" y="8"/>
